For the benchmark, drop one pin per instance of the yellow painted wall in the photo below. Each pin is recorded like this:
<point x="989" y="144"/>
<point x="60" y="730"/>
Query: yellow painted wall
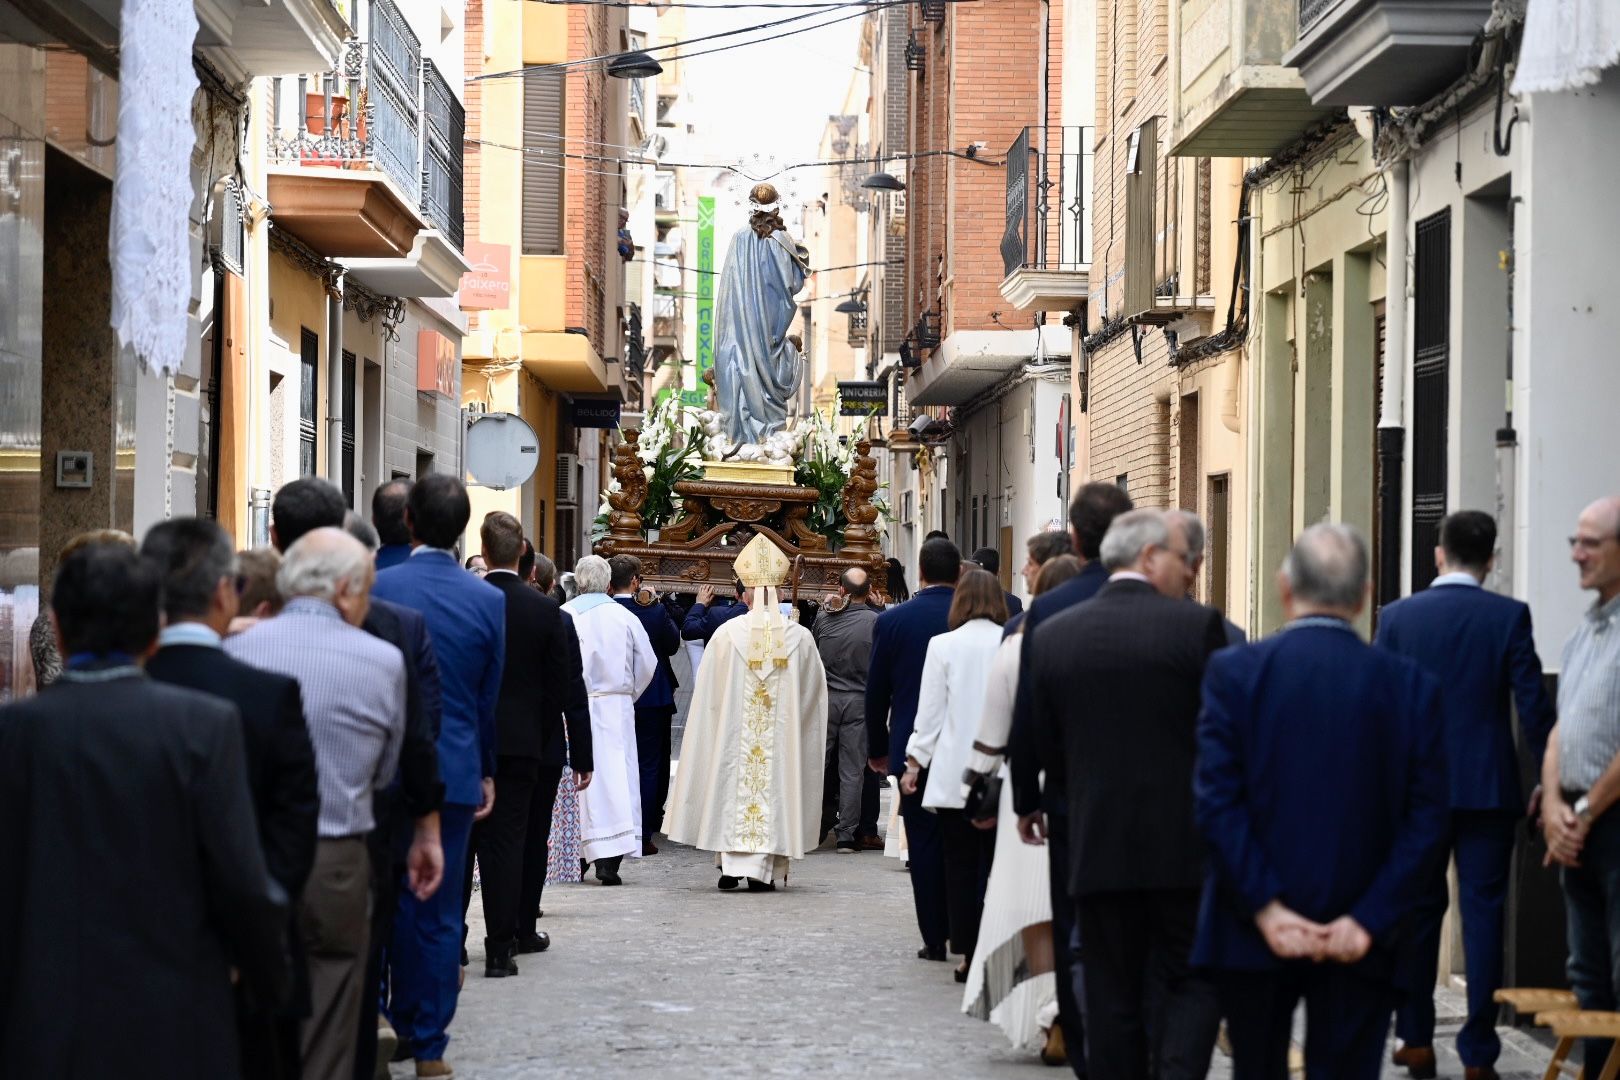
<point x="297" y="303"/>
<point x="545" y="33"/>
<point x="541" y="293"/>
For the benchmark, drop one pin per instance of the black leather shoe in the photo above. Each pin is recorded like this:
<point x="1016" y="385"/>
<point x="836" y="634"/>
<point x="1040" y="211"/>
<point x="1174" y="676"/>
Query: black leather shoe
<point x="727" y="882"/>
<point x="404" y="1051"/>
<point x="931" y="952"/>
<point x="533" y="942"/>
<point x="761" y="886"/>
<point x="498" y="962"/>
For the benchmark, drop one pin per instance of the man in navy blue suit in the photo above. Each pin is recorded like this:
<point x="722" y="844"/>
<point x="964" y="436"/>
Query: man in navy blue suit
<point x="467" y="620"/>
<point x="1479" y="646"/>
<point x="900" y="640"/>
<point x="704" y="617"/>
<point x="1043" y="818"/>
<point x="989" y="560"/>
<point x="655" y="708"/>
<point x="1321" y="789"/>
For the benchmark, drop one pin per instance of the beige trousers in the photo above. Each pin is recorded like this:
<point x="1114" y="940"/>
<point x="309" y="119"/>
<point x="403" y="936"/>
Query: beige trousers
<point x="334" y="921"/>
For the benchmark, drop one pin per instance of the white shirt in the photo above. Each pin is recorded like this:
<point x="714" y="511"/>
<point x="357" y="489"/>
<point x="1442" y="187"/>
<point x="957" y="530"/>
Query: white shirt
<point x="954" y="679"/>
<point x="1458" y="577"/>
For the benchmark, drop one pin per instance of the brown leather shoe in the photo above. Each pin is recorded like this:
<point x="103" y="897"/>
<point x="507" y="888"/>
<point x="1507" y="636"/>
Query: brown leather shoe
<point x="1054" y="1053"/>
<point x="438" y="1070"/>
<point x="1418" y="1061"/>
<point x="1480" y="1072"/>
<point x="871" y="843"/>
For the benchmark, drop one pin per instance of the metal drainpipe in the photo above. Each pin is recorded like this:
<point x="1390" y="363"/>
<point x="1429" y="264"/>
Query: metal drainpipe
<point x="1391" y="419"/>
<point x="334" y="382"/>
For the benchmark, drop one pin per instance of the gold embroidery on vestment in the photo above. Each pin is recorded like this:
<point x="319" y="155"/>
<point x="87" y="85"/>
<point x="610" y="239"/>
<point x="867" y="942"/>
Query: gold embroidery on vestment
<point x="754" y="775"/>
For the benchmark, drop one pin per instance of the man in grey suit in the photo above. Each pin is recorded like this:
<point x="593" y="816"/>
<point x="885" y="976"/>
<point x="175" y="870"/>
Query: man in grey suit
<point x="353" y="687"/>
<point x="843" y="636"/>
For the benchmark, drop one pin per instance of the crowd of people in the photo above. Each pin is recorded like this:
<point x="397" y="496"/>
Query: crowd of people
<point x="1134" y="828"/>
<point x="250" y="799"/>
<point x="247" y="810"/>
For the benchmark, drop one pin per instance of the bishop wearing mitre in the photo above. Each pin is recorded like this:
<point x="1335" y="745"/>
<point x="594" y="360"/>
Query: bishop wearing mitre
<point x="748" y="786"/>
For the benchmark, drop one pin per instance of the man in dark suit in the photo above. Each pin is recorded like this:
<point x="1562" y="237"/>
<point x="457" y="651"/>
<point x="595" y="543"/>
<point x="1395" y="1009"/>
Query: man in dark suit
<point x="1114" y="681"/>
<point x="1321" y="789"/>
<point x="1479" y="647"/>
<point x="989" y="560"/>
<point x="704" y="617"/>
<point x="655" y="708"/>
<point x="388" y="518"/>
<point x="134" y="877"/>
<point x="537" y="644"/>
<point x="1043" y="817"/>
<point x="404" y="847"/>
<point x="467" y="618"/>
<point x="565" y="742"/>
<point x="900" y="640"/>
<point x="197" y="562"/>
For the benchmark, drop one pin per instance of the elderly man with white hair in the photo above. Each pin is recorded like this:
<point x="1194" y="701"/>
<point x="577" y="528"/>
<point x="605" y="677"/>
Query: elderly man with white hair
<point x="619" y="663"/>
<point x="353" y="689"/>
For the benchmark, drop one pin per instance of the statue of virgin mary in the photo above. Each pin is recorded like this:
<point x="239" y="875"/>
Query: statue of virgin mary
<point x="756" y="363"/>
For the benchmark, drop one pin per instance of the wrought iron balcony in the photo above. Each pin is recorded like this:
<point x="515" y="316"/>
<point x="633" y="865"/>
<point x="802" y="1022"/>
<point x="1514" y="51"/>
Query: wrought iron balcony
<point x="1048" y="200"/>
<point x="444" y="130"/>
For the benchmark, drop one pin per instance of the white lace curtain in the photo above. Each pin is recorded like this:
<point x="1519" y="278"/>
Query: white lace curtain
<point x="152" y="194"/>
<point x="1567" y="44"/>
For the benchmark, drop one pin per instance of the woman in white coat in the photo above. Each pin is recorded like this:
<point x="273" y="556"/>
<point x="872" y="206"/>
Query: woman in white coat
<point x="1010" y="982"/>
<point x="948" y="708"/>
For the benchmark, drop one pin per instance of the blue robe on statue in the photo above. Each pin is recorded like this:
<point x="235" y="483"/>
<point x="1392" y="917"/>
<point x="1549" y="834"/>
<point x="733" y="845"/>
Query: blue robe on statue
<point x="756" y="368"/>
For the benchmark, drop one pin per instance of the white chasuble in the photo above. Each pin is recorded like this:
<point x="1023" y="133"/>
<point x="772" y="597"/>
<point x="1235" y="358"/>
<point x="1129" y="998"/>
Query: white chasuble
<point x="750" y="772"/>
<point x="619" y="662"/>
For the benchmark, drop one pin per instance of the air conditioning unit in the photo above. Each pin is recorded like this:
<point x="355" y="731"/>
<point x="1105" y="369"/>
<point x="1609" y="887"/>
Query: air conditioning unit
<point x="567" y="479"/>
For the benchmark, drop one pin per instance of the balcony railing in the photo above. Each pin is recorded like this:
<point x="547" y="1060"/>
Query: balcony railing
<point x="638" y="101"/>
<point x="1311" y="12"/>
<point x="1048" y="200"/>
<point x="386" y="109"/>
<point x="444" y="131"/>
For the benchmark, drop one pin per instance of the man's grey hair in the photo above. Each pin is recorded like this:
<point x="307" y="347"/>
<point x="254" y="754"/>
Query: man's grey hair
<point x="592" y="574"/>
<point x="1193" y="527"/>
<point x="1130" y="535"/>
<point x="1328" y="566"/>
<point x="320" y="563"/>
<point x="545" y="572"/>
<point x="359" y="528"/>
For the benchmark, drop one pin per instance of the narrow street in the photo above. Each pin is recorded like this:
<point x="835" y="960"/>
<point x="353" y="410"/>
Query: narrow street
<point x="668" y="977"/>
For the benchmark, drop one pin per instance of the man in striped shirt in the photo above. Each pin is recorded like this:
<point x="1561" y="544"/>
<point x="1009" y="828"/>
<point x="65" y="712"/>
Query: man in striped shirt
<point x="1581" y="772"/>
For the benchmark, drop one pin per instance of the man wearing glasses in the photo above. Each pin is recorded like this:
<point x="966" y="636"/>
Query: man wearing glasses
<point x="1580" y="775"/>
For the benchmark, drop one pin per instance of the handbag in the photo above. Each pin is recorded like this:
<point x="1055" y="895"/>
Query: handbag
<point x="983" y="802"/>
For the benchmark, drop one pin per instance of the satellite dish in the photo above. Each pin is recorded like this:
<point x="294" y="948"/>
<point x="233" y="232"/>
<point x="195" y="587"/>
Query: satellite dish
<point x="502" y="451"/>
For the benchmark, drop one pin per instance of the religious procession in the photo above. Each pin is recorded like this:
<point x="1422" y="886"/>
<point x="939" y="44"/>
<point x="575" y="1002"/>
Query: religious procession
<point x="902" y="538"/>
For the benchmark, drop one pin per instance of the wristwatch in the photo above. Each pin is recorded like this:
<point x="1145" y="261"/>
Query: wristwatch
<point x="1583" y="809"/>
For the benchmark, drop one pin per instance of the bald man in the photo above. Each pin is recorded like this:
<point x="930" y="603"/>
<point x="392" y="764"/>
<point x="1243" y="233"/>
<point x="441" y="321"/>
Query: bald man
<point x="1580" y="775"/>
<point x="844" y="639"/>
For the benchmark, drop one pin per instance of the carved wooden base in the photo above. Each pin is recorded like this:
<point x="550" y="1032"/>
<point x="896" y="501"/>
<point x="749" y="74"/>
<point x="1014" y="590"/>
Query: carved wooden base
<point x="718" y="518"/>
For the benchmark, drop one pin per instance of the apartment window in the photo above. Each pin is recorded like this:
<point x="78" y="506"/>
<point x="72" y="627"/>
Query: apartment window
<point x="1123" y="482"/>
<point x="1431" y="362"/>
<point x="1203" y="225"/>
<point x="1220" y="539"/>
<point x="309" y="373"/>
<point x="348" y="426"/>
<point x="424" y="462"/>
<point x="544" y="97"/>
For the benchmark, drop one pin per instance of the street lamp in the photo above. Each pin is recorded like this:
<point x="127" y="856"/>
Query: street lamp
<point x="882" y="181"/>
<point x="634" y="65"/>
<point x="851" y="306"/>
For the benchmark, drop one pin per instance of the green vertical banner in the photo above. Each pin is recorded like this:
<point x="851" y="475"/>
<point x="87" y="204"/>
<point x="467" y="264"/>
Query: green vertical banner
<point x="705" y="287"/>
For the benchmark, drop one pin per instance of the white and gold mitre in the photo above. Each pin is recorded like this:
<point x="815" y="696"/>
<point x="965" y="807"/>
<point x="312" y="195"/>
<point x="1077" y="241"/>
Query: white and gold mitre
<point x="761" y="564"/>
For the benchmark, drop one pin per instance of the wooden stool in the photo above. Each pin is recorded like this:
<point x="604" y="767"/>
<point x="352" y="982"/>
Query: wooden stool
<point x="1590" y="1024"/>
<point x="1543" y="1004"/>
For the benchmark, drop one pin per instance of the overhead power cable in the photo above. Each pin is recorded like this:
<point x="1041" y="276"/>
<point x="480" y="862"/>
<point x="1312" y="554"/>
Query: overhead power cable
<point x="864" y="8"/>
<point x="734" y="167"/>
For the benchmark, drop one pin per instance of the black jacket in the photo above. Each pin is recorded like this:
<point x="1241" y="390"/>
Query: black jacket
<point x="420" y="791"/>
<point x="133" y="882"/>
<point x="543" y="682"/>
<point x="280" y="759"/>
<point x="1115" y="682"/>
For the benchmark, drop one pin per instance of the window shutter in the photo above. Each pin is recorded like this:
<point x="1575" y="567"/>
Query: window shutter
<point x="542" y="173"/>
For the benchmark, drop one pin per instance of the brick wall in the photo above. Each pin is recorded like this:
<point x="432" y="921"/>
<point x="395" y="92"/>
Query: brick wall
<point x="1130" y="425"/>
<point x="896" y="110"/>
<point x="981" y="83"/>
<point x="586" y="193"/>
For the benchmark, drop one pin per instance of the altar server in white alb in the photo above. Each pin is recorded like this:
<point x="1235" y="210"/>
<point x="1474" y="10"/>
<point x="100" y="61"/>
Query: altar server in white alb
<point x="619" y="663"/>
<point x="748" y="786"/>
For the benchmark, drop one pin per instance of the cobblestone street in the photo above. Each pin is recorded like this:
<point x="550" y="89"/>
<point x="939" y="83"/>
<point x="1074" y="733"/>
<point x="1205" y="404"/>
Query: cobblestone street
<point x="669" y="977"/>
